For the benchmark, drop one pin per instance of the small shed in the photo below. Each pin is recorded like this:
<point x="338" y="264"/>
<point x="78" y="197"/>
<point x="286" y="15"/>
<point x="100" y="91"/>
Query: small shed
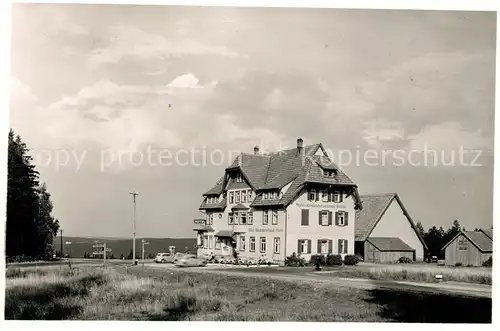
<point x="470" y="248"/>
<point x="387" y="249"/>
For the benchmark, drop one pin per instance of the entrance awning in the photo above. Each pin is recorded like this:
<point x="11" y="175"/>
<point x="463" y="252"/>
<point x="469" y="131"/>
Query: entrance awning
<point x="240" y="207"/>
<point x="227" y="233"/>
<point x="203" y="229"/>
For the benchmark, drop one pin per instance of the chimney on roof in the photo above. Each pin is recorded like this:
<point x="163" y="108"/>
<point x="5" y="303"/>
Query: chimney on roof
<point x="300" y="147"/>
<point x="256" y="150"/>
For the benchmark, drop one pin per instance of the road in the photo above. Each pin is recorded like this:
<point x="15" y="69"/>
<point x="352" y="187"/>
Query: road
<point x="448" y="288"/>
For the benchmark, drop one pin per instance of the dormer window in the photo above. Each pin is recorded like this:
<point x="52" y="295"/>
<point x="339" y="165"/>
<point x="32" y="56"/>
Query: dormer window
<point x="324" y="196"/>
<point x="328" y="173"/>
<point x="239" y="178"/>
<point x="312" y="195"/>
<point x="266" y="195"/>
<point x="337" y="196"/>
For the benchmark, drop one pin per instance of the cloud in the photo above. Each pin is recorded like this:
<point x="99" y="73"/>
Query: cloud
<point x="379" y="133"/>
<point x="129" y="41"/>
<point x="128" y="118"/>
<point x="187" y="81"/>
<point x="433" y="88"/>
<point x="448" y="136"/>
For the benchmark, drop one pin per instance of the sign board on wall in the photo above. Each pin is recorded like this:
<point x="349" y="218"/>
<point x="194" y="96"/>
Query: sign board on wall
<point x="320" y="205"/>
<point x="264" y="230"/>
<point x="200" y="221"/>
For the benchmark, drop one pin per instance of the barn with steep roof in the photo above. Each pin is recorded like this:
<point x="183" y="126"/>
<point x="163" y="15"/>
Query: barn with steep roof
<point x="384" y="230"/>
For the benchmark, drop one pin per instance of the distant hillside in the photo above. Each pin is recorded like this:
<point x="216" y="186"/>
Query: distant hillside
<point x="80" y="245"/>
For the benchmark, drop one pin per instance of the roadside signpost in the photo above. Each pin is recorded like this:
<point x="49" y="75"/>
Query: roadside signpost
<point x="70" y="252"/>
<point x="144" y="242"/>
<point x="101" y="249"/>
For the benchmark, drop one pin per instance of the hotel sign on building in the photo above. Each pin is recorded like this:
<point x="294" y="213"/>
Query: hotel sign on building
<point x="273" y="205"/>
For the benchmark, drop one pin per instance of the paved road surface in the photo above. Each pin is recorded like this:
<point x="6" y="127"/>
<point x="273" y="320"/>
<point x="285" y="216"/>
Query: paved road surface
<point x="450" y="288"/>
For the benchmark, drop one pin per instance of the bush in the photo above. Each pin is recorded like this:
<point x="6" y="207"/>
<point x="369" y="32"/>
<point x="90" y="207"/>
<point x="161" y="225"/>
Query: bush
<point x="405" y="259"/>
<point x="351" y="260"/>
<point x="317" y="259"/>
<point x="294" y="261"/>
<point x="489" y="262"/>
<point x="458" y="264"/>
<point x="333" y="259"/>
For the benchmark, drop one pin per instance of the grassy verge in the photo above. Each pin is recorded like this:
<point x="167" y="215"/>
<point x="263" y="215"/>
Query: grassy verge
<point x="420" y="274"/>
<point x="118" y="293"/>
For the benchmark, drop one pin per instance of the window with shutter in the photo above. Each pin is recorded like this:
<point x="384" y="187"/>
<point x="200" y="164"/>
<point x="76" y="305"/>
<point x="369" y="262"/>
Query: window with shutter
<point x="309" y="244"/>
<point x="345" y="246"/>
<point x="319" y="246"/>
<point x="330" y="246"/>
<point x="305" y="217"/>
<point x="340" y="218"/>
<point x="324" y="217"/>
<point x="330" y="216"/>
<point x="337" y="196"/>
<point x="346" y="214"/>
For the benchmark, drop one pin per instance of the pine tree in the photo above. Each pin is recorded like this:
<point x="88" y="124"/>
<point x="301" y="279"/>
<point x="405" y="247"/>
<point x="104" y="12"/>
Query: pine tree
<point x="420" y="229"/>
<point x="452" y="231"/>
<point x="30" y="228"/>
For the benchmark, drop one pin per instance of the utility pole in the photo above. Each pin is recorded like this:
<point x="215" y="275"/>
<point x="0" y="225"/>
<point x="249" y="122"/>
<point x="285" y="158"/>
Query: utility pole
<point x="134" y="194"/>
<point x="62" y="254"/>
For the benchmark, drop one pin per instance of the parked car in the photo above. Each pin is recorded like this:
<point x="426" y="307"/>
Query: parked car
<point x="178" y="256"/>
<point x="191" y="261"/>
<point x="164" y="258"/>
<point x="434" y="259"/>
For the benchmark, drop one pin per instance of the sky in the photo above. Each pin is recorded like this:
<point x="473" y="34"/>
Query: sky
<point x="158" y="100"/>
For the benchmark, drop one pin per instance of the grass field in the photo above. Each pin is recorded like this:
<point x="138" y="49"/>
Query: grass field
<point x="118" y="293"/>
<point x="425" y="273"/>
<point x="417" y="273"/>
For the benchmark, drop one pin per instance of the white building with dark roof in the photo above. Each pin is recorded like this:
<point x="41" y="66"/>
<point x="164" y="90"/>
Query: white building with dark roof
<point x="273" y="205"/>
<point x="384" y="230"/>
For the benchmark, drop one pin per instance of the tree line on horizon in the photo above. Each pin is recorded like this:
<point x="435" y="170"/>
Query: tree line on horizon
<point x="30" y="227"/>
<point x="436" y="238"/>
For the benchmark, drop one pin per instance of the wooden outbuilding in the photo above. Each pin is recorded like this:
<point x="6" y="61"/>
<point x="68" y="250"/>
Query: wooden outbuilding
<point x="469" y="248"/>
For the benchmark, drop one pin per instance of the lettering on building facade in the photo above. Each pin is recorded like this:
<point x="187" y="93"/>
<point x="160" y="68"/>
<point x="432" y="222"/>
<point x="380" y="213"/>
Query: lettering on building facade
<point x="320" y="205"/>
<point x="264" y="230"/>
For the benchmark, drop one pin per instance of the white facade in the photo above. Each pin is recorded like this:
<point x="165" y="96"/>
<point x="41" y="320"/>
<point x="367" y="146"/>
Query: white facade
<point x="315" y="231"/>
<point x="328" y="228"/>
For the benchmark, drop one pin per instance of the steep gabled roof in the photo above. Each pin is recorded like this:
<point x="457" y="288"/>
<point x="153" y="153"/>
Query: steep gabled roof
<point x="489" y="233"/>
<point x="278" y="169"/>
<point x="213" y="206"/>
<point x="387" y="244"/>
<point x="374" y="207"/>
<point x="217" y="188"/>
<point x="477" y="238"/>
